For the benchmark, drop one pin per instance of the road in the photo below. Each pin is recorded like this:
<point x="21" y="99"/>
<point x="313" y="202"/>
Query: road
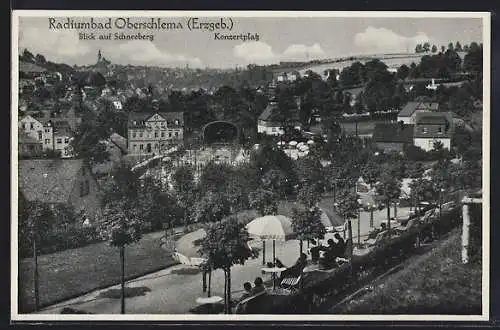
<point x="170" y="292"/>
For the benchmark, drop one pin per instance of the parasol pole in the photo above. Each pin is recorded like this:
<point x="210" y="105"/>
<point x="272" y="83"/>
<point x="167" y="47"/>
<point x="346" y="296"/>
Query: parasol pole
<point x="263" y="252"/>
<point x="274" y="262"/>
<point x="274" y="251"/>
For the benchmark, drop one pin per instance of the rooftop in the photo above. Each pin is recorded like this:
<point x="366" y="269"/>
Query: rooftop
<point x="393" y="133"/>
<point x="144" y="116"/>
<point x="411" y="107"/>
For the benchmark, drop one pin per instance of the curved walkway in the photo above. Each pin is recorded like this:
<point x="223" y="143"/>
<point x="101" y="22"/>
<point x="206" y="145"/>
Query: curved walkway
<point x="174" y="290"/>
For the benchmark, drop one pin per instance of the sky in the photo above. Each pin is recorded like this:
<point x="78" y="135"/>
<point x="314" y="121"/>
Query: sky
<point x="280" y="39"/>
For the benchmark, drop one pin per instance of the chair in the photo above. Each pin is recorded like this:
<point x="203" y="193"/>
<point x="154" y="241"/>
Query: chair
<point x="290" y="282"/>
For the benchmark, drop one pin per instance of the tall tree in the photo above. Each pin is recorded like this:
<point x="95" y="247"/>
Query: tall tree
<point x="184" y="185"/>
<point x="122" y="226"/>
<point x="225" y="245"/>
<point x="34" y="222"/>
<point x="389" y="190"/>
<point x="403" y="72"/>
<point x="212" y="207"/>
<point x="422" y="190"/>
<point x="306" y="222"/>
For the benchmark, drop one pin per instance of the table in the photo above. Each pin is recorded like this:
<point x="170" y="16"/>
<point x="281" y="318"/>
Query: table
<point x="274" y="271"/>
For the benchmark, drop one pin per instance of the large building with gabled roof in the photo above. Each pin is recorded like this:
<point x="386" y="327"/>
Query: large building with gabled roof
<point x="153" y="133"/>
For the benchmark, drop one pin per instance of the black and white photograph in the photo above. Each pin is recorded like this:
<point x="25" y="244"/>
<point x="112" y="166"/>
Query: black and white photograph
<point x="239" y="165"/>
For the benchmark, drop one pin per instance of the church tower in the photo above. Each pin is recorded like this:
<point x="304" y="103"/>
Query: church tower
<point x="99" y="56"/>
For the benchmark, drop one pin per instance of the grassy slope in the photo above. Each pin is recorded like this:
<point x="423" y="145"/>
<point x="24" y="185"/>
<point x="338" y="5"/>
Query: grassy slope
<point x="434" y="283"/>
<point x="72" y="272"/>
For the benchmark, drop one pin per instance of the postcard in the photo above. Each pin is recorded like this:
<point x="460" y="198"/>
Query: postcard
<point x="244" y="165"/>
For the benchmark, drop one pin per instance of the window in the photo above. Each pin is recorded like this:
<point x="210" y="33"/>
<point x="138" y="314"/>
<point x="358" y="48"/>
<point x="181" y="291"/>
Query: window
<point x="59" y="141"/>
<point x="140" y="134"/>
<point x="135" y="147"/>
<point x="24" y="126"/>
<point x="141" y="147"/>
<point x="66" y="140"/>
<point x="176" y="133"/>
<point x="47" y="130"/>
<point x="170" y="134"/>
<point x="177" y="122"/>
<point x="424" y="130"/>
<point x="47" y="141"/>
<point x="440" y="130"/>
<point x="156" y="134"/>
<point x="31" y="126"/>
<point x="274" y="129"/>
<point x="40" y="135"/>
<point x="156" y="146"/>
<point x="133" y="134"/>
<point x="162" y="134"/>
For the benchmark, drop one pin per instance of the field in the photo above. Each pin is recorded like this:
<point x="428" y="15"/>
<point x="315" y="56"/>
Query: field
<point x="434" y="283"/>
<point x="70" y="273"/>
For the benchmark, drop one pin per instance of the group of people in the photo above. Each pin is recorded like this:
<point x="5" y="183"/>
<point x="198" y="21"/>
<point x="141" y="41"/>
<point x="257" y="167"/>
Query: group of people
<point x="250" y="291"/>
<point x="331" y="252"/>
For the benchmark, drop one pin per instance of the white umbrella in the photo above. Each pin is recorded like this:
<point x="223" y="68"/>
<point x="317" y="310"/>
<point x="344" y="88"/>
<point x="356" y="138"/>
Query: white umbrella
<point x="275" y="227"/>
<point x="292" y="143"/>
<point x="310" y="142"/>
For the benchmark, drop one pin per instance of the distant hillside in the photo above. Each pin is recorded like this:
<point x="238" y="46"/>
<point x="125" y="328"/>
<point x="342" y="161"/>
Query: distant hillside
<point x="28" y="61"/>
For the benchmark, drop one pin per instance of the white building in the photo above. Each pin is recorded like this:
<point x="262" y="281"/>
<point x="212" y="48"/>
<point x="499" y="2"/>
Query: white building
<point x="150" y="133"/>
<point x="431" y="128"/>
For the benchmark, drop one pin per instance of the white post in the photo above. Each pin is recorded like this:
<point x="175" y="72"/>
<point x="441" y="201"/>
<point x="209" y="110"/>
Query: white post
<point x="465" y="233"/>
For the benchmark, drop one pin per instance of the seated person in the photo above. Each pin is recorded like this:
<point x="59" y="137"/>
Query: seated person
<point x="278" y="263"/>
<point x="340" y="245"/>
<point x="315" y="251"/>
<point x="247" y="286"/>
<point x="259" y="286"/>
<point x="297" y="268"/>
<point x="373" y="234"/>
<point x="330" y="254"/>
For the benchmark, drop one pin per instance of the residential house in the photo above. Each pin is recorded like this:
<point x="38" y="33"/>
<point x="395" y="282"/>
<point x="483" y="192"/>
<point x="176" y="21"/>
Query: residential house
<point x="269" y="122"/>
<point x="408" y="113"/>
<point x="153" y="133"/>
<point x="393" y="136"/>
<point x="28" y="146"/>
<point x="38" y="129"/>
<point x="65" y="182"/>
<point x="53" y="130"/>
<point x="63" y="135"/>
<point x="433" y="127"/>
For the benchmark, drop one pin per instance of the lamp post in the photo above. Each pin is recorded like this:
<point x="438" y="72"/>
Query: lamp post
<point x="359" y="222"/>
<point x="371" y="214"/>
<point x="440" y="204"/>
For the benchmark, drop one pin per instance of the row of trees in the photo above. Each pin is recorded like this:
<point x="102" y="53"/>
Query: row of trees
<point x="457" y="47"/>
